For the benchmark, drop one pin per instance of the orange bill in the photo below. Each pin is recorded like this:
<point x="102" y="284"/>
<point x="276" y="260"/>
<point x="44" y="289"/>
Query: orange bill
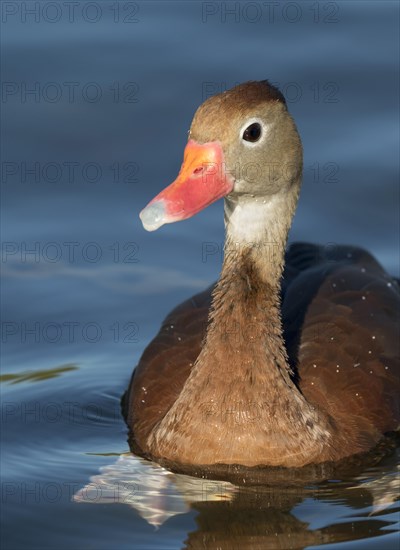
<point x="201" y="181"/>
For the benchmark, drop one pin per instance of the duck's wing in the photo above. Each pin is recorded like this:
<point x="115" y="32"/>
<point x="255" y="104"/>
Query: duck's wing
<point x="341" y="317"/>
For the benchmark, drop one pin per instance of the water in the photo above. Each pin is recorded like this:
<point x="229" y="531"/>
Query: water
<point x="103" y="133"/>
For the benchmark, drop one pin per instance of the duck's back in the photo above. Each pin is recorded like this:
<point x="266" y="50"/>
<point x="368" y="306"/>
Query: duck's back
<point x="341" y="318"/>
<point x="340" y="313"/>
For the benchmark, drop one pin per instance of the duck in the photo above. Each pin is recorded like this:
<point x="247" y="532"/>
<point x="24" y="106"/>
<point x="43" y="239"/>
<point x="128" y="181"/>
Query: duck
<point x="292" y="357"/>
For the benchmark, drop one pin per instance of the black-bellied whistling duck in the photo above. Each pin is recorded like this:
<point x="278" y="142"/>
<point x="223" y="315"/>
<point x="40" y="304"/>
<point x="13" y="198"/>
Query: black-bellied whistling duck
<point x="264" y="370"/>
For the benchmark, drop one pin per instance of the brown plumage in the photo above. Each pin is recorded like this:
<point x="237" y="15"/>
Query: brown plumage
<point x="265" y="370"/>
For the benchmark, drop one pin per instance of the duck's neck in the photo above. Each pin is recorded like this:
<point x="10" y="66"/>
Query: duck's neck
<point x="240" y="404"/>
<point x="244" y="345"/>
<point x="246" y="313"/>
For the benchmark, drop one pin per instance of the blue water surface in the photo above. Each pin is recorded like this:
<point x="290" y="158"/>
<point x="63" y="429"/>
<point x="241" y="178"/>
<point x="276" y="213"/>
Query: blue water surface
<point x="96" y="103"/>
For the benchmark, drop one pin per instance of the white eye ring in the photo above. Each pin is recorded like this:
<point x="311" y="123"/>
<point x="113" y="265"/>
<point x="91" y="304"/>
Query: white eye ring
<point x="264" y="131"/>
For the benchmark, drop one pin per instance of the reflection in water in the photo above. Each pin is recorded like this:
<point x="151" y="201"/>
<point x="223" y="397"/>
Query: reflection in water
<point x="37" y="375"/>
<point x="384" y="489"/>
<point x="156" y="493"/>
<point x="230" y="516"/>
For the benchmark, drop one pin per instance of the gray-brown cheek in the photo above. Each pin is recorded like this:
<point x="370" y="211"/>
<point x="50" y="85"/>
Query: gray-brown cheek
<point x="235" y="165"/>
<point x="252" y="172"/>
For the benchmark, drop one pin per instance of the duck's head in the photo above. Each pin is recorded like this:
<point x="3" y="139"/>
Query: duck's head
<point x="243" y="145"/>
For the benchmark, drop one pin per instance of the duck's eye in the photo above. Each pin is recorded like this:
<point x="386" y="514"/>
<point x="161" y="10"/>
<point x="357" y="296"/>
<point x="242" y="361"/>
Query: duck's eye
<point x="252" y="132"/>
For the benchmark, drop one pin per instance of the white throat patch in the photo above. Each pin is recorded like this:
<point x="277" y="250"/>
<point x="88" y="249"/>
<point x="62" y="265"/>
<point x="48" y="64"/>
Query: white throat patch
<point x="249" y="222"/>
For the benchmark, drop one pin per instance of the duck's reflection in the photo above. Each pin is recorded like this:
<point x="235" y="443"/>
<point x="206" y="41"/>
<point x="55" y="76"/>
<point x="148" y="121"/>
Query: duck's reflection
<point x="230" y="517"/>
<point x="154" y="492"/>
